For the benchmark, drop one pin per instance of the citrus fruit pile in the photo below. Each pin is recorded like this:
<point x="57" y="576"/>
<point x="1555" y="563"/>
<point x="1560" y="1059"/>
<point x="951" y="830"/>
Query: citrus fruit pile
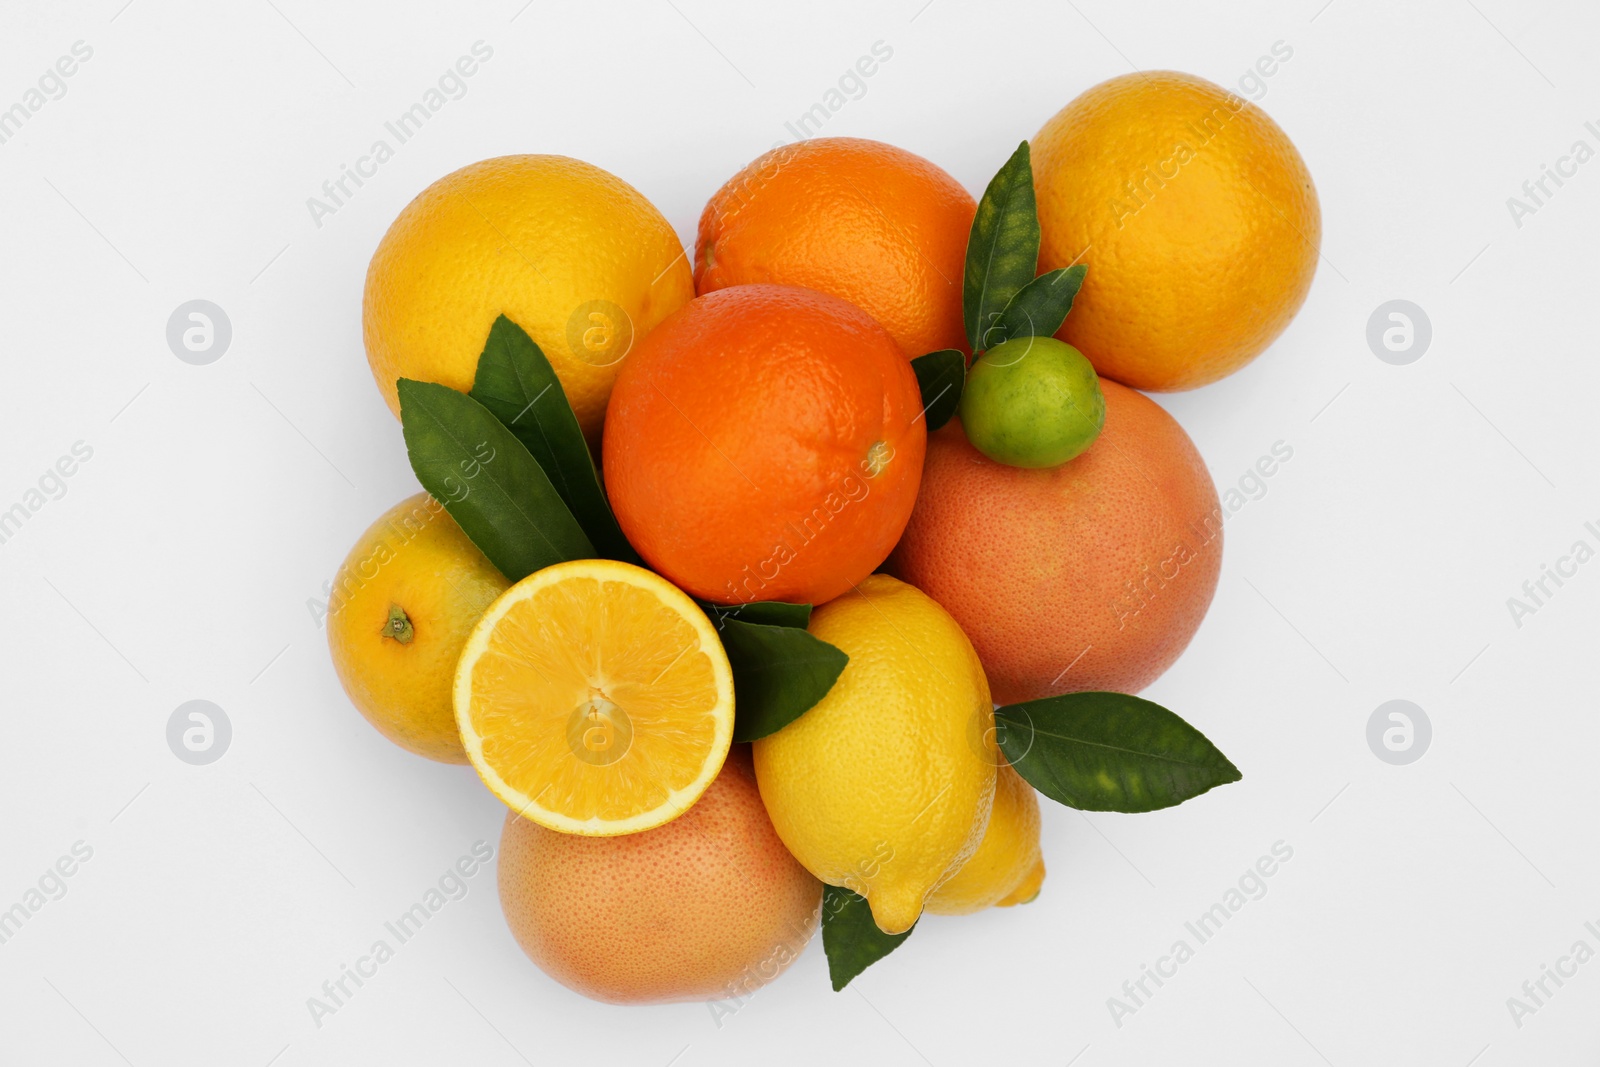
<point x="769" y="583"/>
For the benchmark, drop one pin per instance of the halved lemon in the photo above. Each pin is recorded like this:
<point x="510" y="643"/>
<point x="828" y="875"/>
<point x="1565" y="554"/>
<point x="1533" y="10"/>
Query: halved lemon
<point x="594" y="697"/>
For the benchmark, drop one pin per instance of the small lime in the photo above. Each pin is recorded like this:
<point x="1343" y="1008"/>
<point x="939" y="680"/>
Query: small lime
<point x="1032" y="402"/>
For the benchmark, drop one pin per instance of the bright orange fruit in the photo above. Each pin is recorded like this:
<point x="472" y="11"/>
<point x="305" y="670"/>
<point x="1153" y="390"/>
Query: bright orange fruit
<point x="1196" y="216"/>
<point x="874" y="224"/>
<point x="575" y="256"/>
<point x="403" y="604"/>
<point x="765" y="443"/>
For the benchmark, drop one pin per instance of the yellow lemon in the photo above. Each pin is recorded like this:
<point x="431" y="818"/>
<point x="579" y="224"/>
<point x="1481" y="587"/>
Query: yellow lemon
<point x="884" y="786"/>
<point x="575" y="256"/>
<point x="399" y="613"/>
<point x="1026" y="890"/>
<point x="594" y="698"/>
<point x="1007" y="857"/>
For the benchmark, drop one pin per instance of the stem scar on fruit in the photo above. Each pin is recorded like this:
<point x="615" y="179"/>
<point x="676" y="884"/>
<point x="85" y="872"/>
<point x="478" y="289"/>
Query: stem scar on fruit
<point x="878" y="457"/>
<point x="398" y="625"/>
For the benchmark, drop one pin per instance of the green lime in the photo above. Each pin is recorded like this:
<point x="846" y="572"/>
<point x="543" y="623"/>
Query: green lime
<point x="1032" y="402"/>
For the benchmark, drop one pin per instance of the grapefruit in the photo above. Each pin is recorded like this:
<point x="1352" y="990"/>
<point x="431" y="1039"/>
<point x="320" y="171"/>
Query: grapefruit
<point x="709" y="906"/>
<point x="1092" y="575"/>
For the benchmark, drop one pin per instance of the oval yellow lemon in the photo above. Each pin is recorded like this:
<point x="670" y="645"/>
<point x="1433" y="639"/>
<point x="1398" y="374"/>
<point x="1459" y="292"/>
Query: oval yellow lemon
<point x="885" y="786"/>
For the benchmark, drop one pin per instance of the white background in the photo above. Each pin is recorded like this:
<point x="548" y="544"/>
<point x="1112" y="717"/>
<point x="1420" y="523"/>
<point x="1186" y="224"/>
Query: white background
<point x="219" y="498"/>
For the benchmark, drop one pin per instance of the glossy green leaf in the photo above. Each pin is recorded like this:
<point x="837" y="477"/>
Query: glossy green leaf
<point x="1002" y="249"/>
<point x="1109" y="752"/>
<point x="779" y="673"/>
<point x="1041" y="306"/>
<point x="488" y="481"/>
<point x="517" y="384"/>
<point x="769" y="612"/>
<point x="850" y="937"/>
<point x="940" y="376"/>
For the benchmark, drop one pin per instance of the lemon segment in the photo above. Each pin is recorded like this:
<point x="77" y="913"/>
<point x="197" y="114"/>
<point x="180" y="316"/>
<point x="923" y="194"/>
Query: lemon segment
<point x="595" y="698"/>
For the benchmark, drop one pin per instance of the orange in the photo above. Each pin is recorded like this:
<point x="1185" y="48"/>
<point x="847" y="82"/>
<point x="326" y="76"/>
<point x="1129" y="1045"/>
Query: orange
<point x="862" y="220"/>
<point x="1196" y="216"/>
<point x="593" y="697"/>
<point x="765" y="443"/>
<point x="399" y="613"/>
<point x="1089" y="576"/>
<point x="575" y="256"/>
<point x="708" y="907"/>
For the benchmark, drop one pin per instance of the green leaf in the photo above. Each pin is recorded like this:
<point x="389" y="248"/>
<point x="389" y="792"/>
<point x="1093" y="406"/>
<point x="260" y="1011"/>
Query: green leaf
<point x="850" y="937"/>
<point x="1002" y="249"/>
<point x="779" y="672"/>
<point x="487" y="480"/>
<point x="770" y="612"/>
<point x="1109" y="752"/>
<point x="1041" y="306"/>
<point x="516" y="382"/>
<point x="940" y="375"/>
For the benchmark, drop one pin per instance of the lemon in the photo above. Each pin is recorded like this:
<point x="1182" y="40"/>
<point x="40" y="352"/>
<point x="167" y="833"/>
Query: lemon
<point x="1006" y="868"/>
<point x="1027" y="889"/>
<point x="884" y="787"/>
<point x="400" y="610"/>
<point x="594" y="697"/>
<point x="575" y="256"/>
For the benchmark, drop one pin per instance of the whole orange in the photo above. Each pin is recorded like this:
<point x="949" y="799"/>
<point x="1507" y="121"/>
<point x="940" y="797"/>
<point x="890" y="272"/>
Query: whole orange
<point x="571" y="253"/>
<point x="874" y="224"/>
<point x="708" y="906"/>
<point x="1091" y="575"/>
<point x="765" y="443"/>
<point x="402" y="606"/>
<point x="1196" y="216"/>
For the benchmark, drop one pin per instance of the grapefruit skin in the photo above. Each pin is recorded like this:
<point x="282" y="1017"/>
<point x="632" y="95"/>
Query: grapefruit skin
<point x="706" y="907"/>
<point x="1089" y="576"/>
